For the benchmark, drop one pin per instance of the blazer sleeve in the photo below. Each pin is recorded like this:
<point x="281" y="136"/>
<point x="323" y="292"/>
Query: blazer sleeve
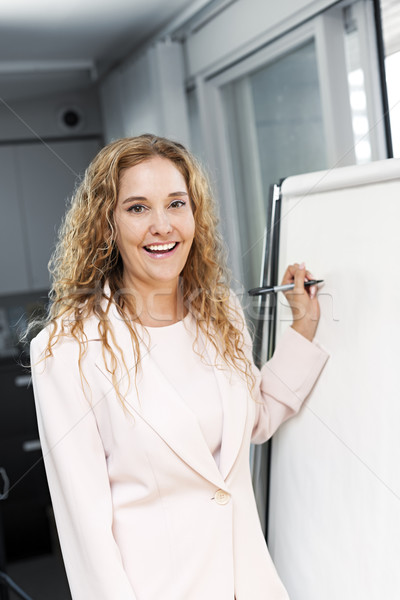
<point x="77" y="474"/>
<point x="285" y="381"/>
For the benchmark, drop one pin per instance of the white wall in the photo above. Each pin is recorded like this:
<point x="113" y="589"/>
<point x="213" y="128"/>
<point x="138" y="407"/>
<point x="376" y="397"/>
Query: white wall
<point x="147" y="95"/>
<point x="112" y="106"/>
<point x="40" y="117"/>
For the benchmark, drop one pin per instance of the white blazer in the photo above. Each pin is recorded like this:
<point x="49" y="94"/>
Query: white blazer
<point x="142" y="510"/>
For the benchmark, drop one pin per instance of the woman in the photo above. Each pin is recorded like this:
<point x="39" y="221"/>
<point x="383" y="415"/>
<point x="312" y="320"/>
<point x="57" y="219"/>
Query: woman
<point x="147" y="396"/>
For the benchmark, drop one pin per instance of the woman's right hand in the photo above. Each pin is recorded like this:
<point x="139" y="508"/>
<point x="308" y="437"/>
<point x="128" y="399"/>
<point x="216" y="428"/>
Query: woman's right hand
<point x="303" y="301"/>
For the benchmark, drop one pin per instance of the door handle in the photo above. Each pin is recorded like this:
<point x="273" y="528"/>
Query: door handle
<point x="22" y="381"/>
<point x="31" y="445"/>
<point x="6" y="484"/>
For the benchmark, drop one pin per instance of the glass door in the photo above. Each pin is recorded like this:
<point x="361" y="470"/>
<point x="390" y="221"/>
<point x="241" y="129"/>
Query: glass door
<point x="274" y="122"/>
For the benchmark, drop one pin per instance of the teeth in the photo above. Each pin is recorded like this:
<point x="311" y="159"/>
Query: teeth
<point x="156" y="247"/>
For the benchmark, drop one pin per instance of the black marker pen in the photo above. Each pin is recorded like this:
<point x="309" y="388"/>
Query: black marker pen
<point x="280" y="288"/>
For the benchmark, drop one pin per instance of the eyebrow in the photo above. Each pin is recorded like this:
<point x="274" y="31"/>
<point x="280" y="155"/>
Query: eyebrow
<point x="143" y="198"/>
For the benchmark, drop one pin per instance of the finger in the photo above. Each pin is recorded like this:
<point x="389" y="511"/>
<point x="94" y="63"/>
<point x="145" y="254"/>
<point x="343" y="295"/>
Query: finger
<point x="289" y="274"/>
<point x="309" y="275"/>
<point x="299" y="277"/>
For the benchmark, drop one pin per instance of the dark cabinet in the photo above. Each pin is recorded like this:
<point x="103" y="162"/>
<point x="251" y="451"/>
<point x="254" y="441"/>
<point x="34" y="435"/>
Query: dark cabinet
<point x="25" y="511"/>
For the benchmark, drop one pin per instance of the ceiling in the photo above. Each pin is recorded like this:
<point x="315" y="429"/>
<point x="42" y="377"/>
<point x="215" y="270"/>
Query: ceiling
<point x="48" y="46"/>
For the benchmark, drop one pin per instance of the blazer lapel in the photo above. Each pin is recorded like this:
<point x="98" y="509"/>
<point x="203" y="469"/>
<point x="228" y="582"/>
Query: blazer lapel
<point x="234" y="396"/>
<point x="233" y="393"/>
<point x="160" y="405"/>
<point x="166" y="412"/>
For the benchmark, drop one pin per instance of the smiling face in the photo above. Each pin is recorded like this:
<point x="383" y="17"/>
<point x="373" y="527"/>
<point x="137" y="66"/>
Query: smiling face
<point x="154" y="224"/>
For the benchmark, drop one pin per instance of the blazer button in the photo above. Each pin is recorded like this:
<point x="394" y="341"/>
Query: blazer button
<point x="222" y="497"/>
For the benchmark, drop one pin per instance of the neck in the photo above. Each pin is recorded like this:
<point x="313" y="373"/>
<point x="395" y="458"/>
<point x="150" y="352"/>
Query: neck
<point x="157" y="307"/>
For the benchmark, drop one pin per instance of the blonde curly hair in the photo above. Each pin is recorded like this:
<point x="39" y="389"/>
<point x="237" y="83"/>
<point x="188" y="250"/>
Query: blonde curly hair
<point x="86" y="258"/>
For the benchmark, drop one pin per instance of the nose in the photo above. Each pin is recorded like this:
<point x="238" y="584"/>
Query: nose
<point x="161" y="224"/>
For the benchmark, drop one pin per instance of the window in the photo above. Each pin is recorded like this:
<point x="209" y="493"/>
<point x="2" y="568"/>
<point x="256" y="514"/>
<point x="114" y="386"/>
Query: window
<point x="390" y="15"/>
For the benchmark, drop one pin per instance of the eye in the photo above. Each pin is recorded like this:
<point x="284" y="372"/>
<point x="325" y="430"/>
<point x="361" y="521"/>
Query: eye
<point x="137" y="208"/>
<point x="177" y="203"/>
